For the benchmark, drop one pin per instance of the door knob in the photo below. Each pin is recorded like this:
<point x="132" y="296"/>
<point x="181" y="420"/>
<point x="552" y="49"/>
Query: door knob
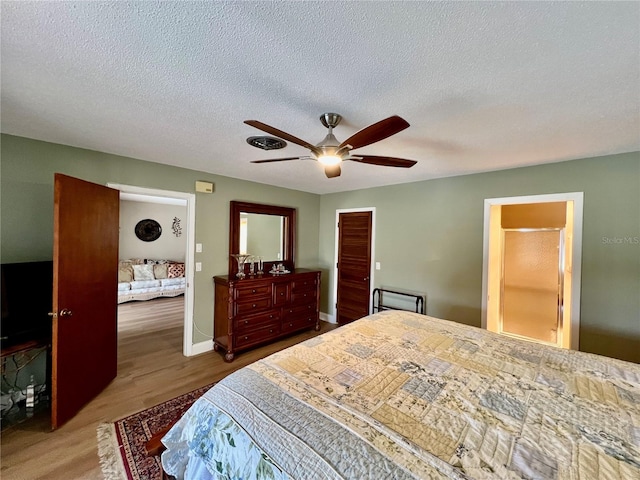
<point x="65" y="312"/>
<point x="365" y="279"/>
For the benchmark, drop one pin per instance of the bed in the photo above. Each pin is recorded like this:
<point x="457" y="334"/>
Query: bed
<point x="399" y="395"/>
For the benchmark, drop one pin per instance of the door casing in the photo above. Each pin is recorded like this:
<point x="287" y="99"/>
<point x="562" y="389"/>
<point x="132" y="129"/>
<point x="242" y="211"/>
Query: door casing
<point x="576" y="252"/>
<point x="188" y="347"/>
<point x="333" y="317"/>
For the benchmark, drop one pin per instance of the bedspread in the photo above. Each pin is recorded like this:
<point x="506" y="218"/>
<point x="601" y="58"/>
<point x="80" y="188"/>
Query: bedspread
<point x="401" y="395"/>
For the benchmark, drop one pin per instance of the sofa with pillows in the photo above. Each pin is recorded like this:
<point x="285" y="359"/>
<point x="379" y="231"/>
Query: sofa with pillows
<point x="144" y="279"/>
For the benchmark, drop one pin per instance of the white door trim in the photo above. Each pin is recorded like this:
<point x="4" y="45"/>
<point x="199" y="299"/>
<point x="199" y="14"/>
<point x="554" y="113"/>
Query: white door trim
<point x="576" y="258"/>
<point x="190" y="198"/>
<point x="333" y="318"/>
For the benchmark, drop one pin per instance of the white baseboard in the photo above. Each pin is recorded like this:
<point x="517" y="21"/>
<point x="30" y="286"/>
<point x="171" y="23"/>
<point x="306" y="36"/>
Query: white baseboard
<point x="202" y="347"/>
<point x="325" y="317"/>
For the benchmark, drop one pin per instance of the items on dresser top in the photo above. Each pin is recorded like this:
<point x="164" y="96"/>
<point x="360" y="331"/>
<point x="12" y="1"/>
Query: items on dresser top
<point x="262" y="308"/>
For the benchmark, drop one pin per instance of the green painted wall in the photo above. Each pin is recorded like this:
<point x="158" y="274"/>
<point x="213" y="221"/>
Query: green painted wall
<point x="428" y="234"/>
<point x="428" y="238"/>
<point x="26" y="206"/>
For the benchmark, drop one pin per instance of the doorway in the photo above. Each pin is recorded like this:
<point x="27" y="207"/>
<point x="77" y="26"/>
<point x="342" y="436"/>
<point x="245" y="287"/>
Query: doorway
<point x="531" y="268"/>
<point x="140" y="194"/>
<point x="354" y="267"/>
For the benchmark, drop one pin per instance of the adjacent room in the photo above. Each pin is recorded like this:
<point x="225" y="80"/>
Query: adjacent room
<point x="329" y="239"/>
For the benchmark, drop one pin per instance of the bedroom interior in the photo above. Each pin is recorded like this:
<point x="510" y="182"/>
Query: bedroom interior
<point x="483" y="126"/>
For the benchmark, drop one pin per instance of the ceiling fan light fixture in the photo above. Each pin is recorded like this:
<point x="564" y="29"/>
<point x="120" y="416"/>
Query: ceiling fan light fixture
<point x="329" y="159"/>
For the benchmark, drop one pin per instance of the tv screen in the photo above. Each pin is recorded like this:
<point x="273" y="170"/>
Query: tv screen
<point x="27" y="290"/>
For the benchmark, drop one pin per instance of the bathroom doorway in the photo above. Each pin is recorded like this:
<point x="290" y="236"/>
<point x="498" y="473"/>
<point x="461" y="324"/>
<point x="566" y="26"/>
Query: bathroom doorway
<point x="531" y="273"/>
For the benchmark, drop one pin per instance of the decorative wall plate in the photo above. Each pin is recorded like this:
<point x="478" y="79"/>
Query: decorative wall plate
<point x="148" y="230"/>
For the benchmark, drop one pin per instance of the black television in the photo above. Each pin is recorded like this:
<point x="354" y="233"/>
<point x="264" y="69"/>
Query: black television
<point x="27" y="291"/>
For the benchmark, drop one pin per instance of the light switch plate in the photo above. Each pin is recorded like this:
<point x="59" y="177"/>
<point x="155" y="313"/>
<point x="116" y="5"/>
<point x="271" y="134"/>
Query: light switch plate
<point x="377" y="265"/>
<point x="198" y="266"/>
<point x="198" y="248"/>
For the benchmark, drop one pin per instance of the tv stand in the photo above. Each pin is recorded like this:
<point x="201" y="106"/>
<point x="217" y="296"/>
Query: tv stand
<point x="23" y="347"/>
<point x="18" y="412"/>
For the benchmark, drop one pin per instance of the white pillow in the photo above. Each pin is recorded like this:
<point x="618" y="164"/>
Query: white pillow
<point x="143" y="272"/>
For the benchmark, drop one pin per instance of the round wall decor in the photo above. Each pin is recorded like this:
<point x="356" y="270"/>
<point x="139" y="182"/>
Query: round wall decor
<point x="148" y="230"/>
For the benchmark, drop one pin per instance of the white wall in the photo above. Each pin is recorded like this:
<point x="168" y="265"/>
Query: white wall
<point x="168" y="246"/>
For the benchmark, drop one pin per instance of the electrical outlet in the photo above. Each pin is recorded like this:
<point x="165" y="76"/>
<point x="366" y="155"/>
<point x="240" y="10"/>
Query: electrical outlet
<point x="198" y="266"/>
<point x="198" y="248"/>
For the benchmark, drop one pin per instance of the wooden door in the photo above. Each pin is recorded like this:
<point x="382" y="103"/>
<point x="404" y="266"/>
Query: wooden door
<point x="85" y="264"/>
<point x="354" y="265"/>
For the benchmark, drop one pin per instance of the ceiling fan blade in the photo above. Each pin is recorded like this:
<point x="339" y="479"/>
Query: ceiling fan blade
<point x="268" y="160"/>
<point x="383" y="161"/>
<point x="280" y="134"/>
<point x="332" y="171"/>
<point x="376" y="132"/>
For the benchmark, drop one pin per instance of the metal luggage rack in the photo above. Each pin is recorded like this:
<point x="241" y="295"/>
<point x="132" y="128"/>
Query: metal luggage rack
<point x="379" y="305"/>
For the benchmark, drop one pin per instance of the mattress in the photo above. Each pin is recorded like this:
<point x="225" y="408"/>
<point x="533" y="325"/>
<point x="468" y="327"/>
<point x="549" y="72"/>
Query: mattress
<point x="404" y="396"/>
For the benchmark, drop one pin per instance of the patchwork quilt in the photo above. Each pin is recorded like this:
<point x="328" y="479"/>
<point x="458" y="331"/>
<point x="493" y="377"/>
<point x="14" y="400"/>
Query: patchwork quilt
<point x="398" y="395"/>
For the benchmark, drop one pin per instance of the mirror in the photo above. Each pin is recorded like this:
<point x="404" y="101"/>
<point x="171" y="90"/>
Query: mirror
<point x="261" y="230"/>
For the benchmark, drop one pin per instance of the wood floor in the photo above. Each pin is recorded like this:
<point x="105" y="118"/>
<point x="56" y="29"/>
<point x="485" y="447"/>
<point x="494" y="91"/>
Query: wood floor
<point x="151" y="369"/>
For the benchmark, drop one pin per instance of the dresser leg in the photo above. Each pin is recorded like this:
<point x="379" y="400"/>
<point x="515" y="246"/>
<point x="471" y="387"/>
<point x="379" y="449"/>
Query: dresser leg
<point x="228" y="357"/>
<point x="317" y="327"/>
<point x="216" y="347"/>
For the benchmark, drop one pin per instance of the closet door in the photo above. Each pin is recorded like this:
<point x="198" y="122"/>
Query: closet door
<point x="354" y="265"/>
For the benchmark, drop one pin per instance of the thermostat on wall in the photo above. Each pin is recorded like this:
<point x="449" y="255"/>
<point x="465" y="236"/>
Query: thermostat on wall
<point x="204" y="187"/>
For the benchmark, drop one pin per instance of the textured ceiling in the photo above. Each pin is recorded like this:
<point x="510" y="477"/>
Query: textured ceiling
<point x="484" y="85"/>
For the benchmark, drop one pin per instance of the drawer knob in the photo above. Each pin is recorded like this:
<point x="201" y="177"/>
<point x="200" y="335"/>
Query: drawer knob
<point x="271" y="331"/>
<point x="291" y="324"/>
<point x="270" y="316"/>
<point x="282" y="294"/>
<point x="246" y="322"/>
<point x="246" y="338"/>
<point x="253" y="291"/>
<point x="254" y="305"/>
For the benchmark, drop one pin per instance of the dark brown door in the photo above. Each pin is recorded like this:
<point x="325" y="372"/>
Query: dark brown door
<point x="354" y="265"/>
<point x="85" y="264"/>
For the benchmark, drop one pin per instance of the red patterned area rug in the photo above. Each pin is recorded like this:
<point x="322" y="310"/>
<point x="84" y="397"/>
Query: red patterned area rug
<point x="121" y="444"/>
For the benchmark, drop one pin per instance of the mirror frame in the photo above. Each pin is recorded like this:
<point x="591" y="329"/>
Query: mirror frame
<point x="289" y="234"/>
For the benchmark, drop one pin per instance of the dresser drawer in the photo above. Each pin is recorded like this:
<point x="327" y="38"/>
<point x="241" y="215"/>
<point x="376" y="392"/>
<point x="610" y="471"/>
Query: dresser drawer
<point x="306" y="283"/>
<point x="256" y="336"/>
<point x="291" y="313"/>
<point x="298" y="323"/>
<point x="246" y="293"/>
<point x="249" y="323"/>
<point x="280" y="293"/>
<point x="301" y="298"/>
<point x="254" y="305"/>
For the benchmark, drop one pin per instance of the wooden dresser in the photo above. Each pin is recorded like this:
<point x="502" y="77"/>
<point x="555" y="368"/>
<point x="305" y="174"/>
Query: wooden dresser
<point x="262" y="308"/>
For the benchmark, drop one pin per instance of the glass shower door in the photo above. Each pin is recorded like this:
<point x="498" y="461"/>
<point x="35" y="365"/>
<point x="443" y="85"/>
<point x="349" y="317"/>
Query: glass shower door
<point x="532" y="266"/>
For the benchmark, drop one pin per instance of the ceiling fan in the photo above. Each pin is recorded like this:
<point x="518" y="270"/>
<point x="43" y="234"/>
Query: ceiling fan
<point x="331" y="153"/>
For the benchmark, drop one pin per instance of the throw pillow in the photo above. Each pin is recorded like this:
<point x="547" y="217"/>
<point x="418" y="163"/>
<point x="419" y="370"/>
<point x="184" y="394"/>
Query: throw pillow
<point x="125" y="274"/>
<point x="143" y="272"/>
<point x="175" y="270"/>
<point x="160" y="271"/>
